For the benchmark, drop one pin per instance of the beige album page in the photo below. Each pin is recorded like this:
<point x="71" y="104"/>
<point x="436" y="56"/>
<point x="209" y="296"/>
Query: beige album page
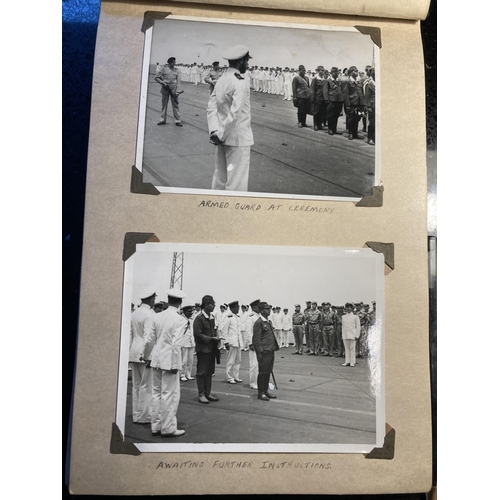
<point x="302" y="227"/>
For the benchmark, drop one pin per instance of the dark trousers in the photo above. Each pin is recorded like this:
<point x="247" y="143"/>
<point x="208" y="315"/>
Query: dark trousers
<point x="204" y="371"/>
<point x="266" y="365"/>
<point x="371" y="124"/>
<point x="319" y="113"/>
<point x="298" y="335"/>
<point x="302" y="110"/>
<point x="353" y="118"/>
<point x="333" y="111"/>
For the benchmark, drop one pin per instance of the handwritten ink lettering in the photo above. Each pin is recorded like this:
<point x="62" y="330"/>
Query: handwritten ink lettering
<point x="274" y="207"/>
<point x="295" y="465"/>
<point x="232" y="465"/>
<point x="214" y="204"/>
<point x="241" y="206"/>
<point x="309" y="208"/>
<point x="180" y="465"/>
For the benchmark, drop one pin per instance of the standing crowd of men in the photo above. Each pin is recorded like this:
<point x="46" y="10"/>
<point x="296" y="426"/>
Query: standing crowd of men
<point x="165" y="338"/>
<point x="324" y="94"/>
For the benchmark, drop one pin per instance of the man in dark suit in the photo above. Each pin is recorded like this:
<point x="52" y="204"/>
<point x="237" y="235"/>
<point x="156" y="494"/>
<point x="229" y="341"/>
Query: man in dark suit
<point x="354" y="103"/>
<point x="264" y="343"/>
<point x="207" y="349"/>
<point x="301" y="94"/>
<point x="335" y="99"/>
<point x="318" y="98"/>
<point x="369" y="92"/>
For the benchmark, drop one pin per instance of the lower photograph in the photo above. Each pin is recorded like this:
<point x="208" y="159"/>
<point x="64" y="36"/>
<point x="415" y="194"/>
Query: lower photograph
<point x="246" y="348"/>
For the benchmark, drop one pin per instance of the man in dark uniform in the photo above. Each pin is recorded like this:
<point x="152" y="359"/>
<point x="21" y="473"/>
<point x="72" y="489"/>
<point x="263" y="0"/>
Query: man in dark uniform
<point x="264" y="343"/>
<point x="301" y="94"/>
<point x="318" y="98"/>
<point x="315" y="322"/>
<point x="369" y="92"/>
<point x="207" y="349"/>
<point x="298" y="329"/>
<point x="328" y="329"/>
<point x="354" y="103"/>
<point x="307" y="311"/>
<point x="335" y="100"/>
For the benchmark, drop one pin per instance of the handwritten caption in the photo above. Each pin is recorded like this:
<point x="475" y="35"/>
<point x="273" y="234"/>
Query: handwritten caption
<point x="262" y="207"/>
<point x="239" y="464"/>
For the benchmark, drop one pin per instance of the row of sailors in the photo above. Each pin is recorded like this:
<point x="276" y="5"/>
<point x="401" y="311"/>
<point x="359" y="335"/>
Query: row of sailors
<point x="269" y="80"/>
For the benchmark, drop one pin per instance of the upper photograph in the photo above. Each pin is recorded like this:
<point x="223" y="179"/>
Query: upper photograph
<point x="259" y="109"/>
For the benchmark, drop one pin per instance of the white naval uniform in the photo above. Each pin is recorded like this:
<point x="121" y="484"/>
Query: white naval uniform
<point x="166" y="336"/>
<point x="193" y="71"/>
<point x="231" y="333"/>
<point x="141" y="322"/>
<point x="287" y="329"/>
<point x="277" y="322"/>
<point x="228" y="115"/>
<point x="188" y="345"/>
<point x="288" y="85"/>
<point x="351" y="329"/>
<point x="253" y="370"/>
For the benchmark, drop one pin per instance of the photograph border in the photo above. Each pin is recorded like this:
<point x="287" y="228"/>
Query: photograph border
<point x="296" y="448"/>
<point x="139" y="150"/>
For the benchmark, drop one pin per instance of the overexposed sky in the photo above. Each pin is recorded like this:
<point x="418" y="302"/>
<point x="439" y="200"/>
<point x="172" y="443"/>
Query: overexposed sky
<point x="282" y="276"/>
<point x="205" y="42"/>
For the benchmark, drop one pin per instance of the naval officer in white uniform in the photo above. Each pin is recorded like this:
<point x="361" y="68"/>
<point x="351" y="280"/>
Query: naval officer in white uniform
<point x="229" y="123"/>
<point x="163" y="348"/>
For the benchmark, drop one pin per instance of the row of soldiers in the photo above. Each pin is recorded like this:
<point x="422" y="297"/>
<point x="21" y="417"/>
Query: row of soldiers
<point x="324" y="94"/>
<point x="319" y="329"/>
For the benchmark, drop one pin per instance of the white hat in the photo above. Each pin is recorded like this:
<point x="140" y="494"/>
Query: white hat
<point x="236" y="52"/>
<point x="147" y="292"/>
<point x="176" y="293"/>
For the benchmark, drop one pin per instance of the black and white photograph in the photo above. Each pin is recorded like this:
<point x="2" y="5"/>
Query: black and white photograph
<point x="259" y="109"/>
<point x="246" y="348"/>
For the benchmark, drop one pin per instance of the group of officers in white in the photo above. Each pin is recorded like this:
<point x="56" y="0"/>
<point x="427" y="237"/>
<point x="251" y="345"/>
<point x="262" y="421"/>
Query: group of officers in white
<point x="164" y="338"/>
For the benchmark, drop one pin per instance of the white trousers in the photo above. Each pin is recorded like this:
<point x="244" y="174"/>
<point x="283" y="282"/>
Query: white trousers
<point x="233" y="363"/>
<point x="288" y="337"/>
<point x="254" y="367"/>
<point x="288" y="91"/>
<point x="350" y="351"/>
<point x="165" y="401"/>
<point x="187" y="361"/>
<point x="232" y="167"/>
<point x="141" y="392"/>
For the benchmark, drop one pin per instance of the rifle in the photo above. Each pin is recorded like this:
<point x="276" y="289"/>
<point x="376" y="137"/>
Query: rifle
<point x="274" y="381"/>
